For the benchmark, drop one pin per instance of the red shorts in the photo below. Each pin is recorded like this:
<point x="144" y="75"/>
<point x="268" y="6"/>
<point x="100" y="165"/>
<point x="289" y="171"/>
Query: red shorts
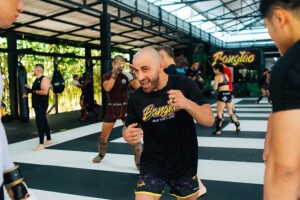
<point x="115" y="112"/>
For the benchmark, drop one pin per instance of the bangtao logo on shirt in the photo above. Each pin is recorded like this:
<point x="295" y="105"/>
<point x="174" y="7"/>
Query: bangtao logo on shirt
<point x="235" y="59"/>
<point x="152" y="112"/>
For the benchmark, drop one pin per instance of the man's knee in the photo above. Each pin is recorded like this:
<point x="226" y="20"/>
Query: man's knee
<point x="289" y="170"/>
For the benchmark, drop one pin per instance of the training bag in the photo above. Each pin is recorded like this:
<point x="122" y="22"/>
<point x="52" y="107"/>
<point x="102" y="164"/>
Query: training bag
<point x="22" y="93"/>
<point x="58" y="82"/>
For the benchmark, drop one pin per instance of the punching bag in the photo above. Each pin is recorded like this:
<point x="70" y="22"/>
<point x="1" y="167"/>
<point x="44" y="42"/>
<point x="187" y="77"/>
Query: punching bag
<point x="58" y="82"/>
<point x="22" y="93"/>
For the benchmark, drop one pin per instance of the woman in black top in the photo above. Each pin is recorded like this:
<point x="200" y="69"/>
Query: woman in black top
<point x="224" y="98"/>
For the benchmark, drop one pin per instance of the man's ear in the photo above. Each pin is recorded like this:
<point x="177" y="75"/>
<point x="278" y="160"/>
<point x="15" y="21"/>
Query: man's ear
<point x="162" y="56"/>
<point x="280" y="17"/>
<point x="161" y="66"/>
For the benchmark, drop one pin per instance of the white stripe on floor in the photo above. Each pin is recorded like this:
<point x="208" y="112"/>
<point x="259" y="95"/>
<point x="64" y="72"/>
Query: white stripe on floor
<point x="256" y="115"/>
<point x="64" y="136"/>
<point x="243" y="143"/>
<point x="249" y="109"/>
<point x="242" y="172"/>
<point x="239" y="172"/>
<point x="47" y="195"/>
<point x="249" y="125"/>
<point x="250" y="106"/>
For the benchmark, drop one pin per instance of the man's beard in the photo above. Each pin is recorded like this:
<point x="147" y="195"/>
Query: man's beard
<point x="154" y="84"/>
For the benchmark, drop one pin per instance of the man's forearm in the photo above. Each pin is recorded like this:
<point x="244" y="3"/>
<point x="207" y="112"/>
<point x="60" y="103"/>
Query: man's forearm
<point x="202" y="114"/>
<point x="41" y="92"/>
<point x="124" y="129"/>
<point x="108" y="85"/>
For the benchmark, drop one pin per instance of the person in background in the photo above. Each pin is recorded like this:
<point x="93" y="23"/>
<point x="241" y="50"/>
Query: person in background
<point x="40" y="102"/>
<point x="264" y="86"/>
<point x="116" y="84"/>
<point x="167" y="55"/>
<point x="282" y="146"/>
<point x="87" y="101"/>
<point x="221" y="83"/>
<point x="11" y="176"/>
<point x="195" y="74"/>
<point x="227" y="71"/>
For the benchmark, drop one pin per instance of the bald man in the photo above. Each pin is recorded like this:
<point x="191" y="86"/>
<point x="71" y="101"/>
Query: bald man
<point x="40" y="101"/>
<point x="11" y="177"/>
<point x="165" y="107"/>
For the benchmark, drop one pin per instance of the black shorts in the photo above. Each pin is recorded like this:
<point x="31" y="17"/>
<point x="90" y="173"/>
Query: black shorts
<point x="180" y="188"/>
<point x="225" y="96"/>
<point x="265" y="87"/>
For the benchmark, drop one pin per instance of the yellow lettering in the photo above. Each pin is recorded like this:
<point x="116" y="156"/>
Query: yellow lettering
<point x="242" y="57"/>
<point x="217" y="56"/>
<point x="151" y="111"/>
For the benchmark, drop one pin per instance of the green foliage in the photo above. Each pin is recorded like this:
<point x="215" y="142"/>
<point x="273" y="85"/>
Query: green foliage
<point x="4" y="73"/>
<point x="69" y="99"/>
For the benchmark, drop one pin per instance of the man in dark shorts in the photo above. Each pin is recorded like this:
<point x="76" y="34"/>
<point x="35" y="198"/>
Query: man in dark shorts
<point x="282" y="144"/>
<point x="116" y="84"/>
<point x="264" y="86"/>
<point x="165" y="106"/>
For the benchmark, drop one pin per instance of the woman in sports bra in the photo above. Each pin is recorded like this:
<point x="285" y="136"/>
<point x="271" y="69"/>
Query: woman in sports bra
<point x="224" y="98"/>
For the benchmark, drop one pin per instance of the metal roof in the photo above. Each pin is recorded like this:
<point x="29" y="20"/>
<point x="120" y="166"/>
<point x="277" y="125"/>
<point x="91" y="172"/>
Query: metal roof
<point x="228" y="20"/>
<point x="139" y="23"/>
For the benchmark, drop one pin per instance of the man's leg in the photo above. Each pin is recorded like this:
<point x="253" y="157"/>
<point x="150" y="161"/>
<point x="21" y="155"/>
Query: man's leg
<point x="149" y="187"/>
<point x="263" y="93"/>
<point x="40" y="125"/>
<point x="84" y="113"/>
<point x="220" y="108"/>
<point x="282" y="176"/>
<point x="202" y="188"/>
<point x="233" y="116"/>
<point x="47" y="130"/>
<point x="146" y="197"/>
<point x="103" y="141"/>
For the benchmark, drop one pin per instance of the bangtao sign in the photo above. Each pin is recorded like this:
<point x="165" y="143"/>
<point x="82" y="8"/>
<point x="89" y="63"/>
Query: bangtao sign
<point x="234" y="58"/>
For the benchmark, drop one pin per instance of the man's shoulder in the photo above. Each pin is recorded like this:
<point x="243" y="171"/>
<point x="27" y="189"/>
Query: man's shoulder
<point x="180" y="80"/>
<point x="45" y="78"/>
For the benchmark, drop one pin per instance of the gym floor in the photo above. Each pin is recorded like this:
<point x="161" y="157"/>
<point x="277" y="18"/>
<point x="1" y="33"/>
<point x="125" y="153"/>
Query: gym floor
<point x="230" y="165"/>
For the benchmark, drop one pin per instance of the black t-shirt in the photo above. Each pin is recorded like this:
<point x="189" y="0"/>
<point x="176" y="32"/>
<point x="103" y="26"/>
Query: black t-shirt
<point x="285" y="81"/>
<point x="173" y="69"/>
<point x="193" y="73"/>
<point x="170" y="140"/>
<point x="39" y="101"/>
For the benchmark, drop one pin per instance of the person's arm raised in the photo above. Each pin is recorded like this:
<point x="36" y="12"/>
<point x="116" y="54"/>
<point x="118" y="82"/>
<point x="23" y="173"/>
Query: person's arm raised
<point x="202" y="114"/>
